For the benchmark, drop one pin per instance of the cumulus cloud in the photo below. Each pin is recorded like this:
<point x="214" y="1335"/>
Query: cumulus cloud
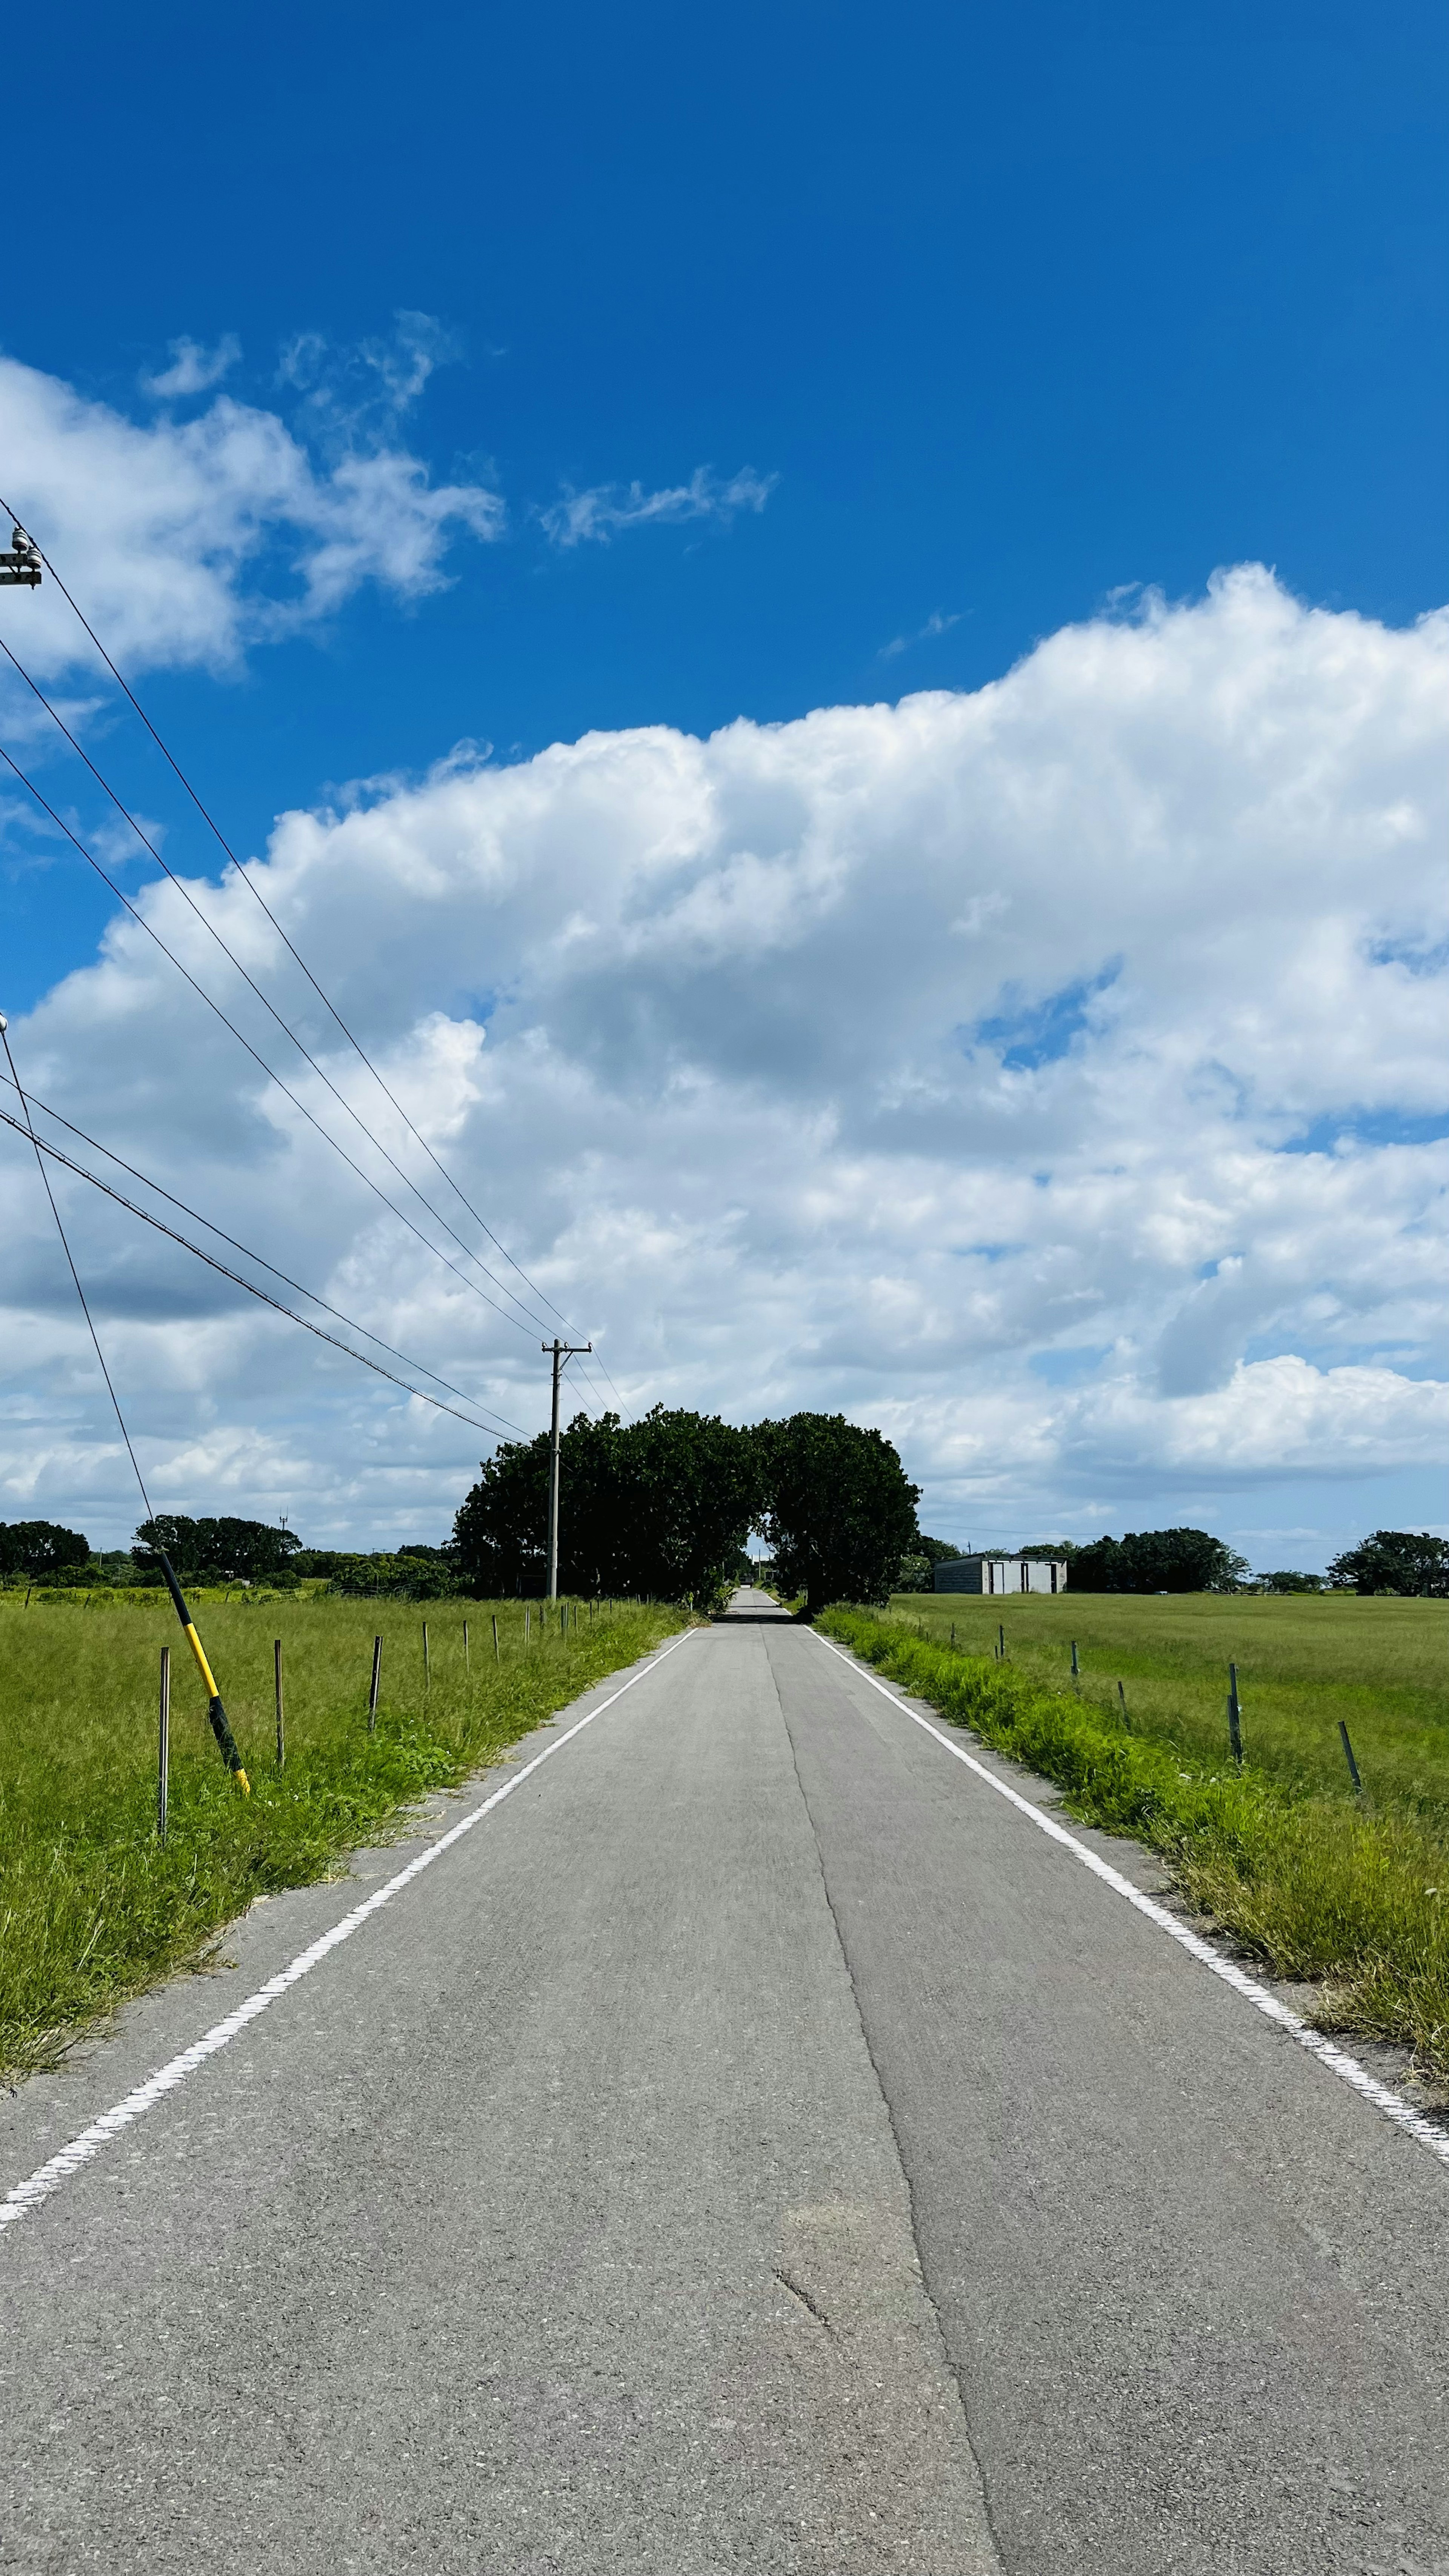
<point x="600" y="513"/>
<point x="189" y="540"/>
<point x="1053" y="1074"/>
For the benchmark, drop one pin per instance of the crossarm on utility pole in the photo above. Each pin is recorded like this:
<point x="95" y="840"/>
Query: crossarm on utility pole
<point x="20" y="564"/>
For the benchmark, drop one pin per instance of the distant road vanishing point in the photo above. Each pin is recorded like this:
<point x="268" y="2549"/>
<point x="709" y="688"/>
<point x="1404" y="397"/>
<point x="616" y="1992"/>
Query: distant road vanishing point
<point x="753" y="2145"/>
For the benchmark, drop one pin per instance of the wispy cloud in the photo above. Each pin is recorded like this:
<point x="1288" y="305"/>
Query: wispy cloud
<point x="193" y="369"/>
<point x="205" y="533"/>
<point x="598" y="513"/>
<point x="357" y="394"/>
<point x="938" y="623"/>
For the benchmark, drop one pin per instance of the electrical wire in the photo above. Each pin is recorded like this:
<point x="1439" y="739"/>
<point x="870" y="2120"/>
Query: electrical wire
<point x="253" y="986"/>
<point x="29" y="1130"/>
<point x="214" y="827"/>
<point x="43" y="1146"/>
<point x="272" y="1075"/>
<point x="31" y="1100"/>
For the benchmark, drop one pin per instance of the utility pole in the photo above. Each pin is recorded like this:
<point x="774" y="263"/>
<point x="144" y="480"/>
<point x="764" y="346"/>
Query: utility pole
<point x="560" y="1351"/>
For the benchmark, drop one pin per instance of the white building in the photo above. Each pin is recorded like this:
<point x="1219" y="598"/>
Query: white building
<point x="1002" y="1574"/>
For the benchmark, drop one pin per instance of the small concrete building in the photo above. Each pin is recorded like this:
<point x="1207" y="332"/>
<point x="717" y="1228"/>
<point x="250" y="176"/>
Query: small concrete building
<point x="1002" y="1574"/>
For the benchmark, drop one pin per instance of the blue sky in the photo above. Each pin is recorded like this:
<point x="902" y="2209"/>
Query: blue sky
<point x="948" y="329"/>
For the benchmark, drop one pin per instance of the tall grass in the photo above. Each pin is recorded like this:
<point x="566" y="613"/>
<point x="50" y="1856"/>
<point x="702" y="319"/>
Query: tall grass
<point x="1304" y="1662"/>
<point x="92" y="1907"/>
<point x="1350" y="1894"/>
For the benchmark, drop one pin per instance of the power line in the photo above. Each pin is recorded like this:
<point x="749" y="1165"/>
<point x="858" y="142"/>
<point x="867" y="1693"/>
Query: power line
<point x="272" y="1075"/>
<point x="253" y="986"/>
<point x="43" y="1146"/>
<point x="31" y="1100"/>
<point x="28" y="1130"/>
<point x="214" y="827"/>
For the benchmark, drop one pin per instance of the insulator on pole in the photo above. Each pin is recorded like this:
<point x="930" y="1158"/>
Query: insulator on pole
<point x="21" y="565"/>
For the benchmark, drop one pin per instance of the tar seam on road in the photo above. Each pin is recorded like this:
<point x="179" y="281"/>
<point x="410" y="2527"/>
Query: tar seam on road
<point x="48" y="2177"/>
<point x="1337" y="2060"/>
<point x="888" y="2108"/>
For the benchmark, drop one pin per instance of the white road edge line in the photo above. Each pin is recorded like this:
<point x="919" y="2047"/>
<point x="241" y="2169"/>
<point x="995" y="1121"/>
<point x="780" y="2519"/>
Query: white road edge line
<point x="49" y="2177"/>
<point x="1337" y="2060"/>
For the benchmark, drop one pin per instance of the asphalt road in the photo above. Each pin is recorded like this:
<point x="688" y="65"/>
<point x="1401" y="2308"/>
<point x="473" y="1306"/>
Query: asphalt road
<point x="756" y="2145"/>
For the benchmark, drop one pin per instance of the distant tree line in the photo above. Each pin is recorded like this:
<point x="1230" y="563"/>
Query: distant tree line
<point x="220" y="1551"/>
<point x="213" y="1551"/>
<point x="661" y="1509"/>
<point x="35" y="1549"/>
<point x="1401" y="1562"/>
<point x="1170" y="1560"/>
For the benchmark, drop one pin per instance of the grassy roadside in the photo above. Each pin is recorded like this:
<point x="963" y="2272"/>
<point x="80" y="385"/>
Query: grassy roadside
<point x="1304" y="1662"/>
<point x="93" y="1908"/>
<point x="1316" y="1885"/>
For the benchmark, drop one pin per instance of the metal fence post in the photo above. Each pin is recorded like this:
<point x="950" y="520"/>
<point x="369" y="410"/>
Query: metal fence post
<point x="376" y="1681"/>
<point x="281" y="1734"/>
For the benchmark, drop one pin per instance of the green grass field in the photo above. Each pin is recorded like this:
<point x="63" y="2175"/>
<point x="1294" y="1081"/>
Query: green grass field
<point x="1349" y="1893"/>
<point x="92" y="1908"/>
<point x="1304" y="1661"/>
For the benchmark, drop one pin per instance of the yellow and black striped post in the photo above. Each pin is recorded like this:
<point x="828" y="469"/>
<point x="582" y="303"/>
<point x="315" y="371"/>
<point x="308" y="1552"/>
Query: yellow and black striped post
<point x="226" y="1741"/>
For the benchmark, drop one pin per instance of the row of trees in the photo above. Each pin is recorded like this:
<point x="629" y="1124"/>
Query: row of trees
<point x="1170" y="1560"/>
<point x="661" y="1508"/>
<point x="35" y="1549"/>
<point x="1192" y="1560"/>
<point x="658" y="1509"/>
<point x="214" y="1551"/>
<point x="223" y="1550"/>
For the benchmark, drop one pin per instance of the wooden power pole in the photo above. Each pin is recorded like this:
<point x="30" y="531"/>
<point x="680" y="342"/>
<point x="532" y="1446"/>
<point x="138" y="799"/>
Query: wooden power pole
<point x="560" y="1352"/>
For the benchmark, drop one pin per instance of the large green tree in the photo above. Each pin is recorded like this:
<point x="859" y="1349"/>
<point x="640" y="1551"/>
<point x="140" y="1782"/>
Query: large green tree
<point x="657" y="1509"/>
<point x="839" y="1509"/>
<point x="214" y="1551"/>
<point x="1170" y="1560"/>
<point x="36" y="1548"/>
<point x="1394" y="1561"/>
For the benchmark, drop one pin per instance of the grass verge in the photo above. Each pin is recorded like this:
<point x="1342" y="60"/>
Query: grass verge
<point x="1304" y="1662"/>
<point x="93" y="1908"/>
<point x="1316" y="1886"/>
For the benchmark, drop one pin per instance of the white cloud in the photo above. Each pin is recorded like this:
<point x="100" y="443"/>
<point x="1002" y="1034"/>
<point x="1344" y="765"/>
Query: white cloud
<point x="938" y="623"/>
<point x="188" y="541"/>
<point x="193" y="369"/>
<point x="364" y="391"/>
<point x="1049" y="1073"/>
<point x="600" y="513"/>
